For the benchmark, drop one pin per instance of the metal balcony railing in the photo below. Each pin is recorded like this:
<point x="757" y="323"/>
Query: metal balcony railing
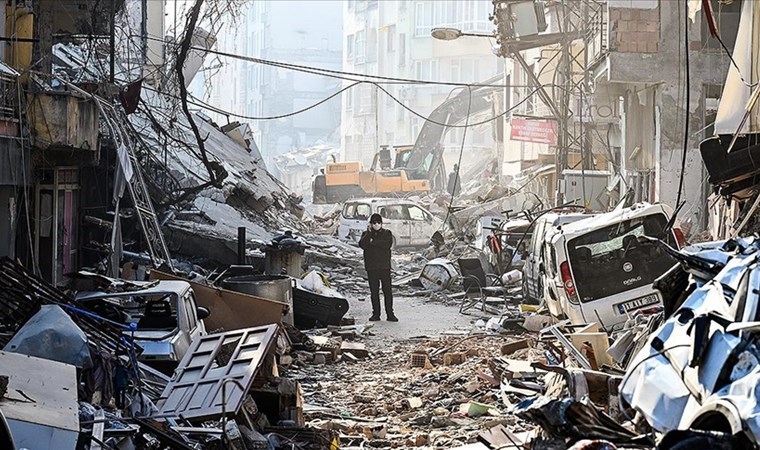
<point x="598" y="35"/>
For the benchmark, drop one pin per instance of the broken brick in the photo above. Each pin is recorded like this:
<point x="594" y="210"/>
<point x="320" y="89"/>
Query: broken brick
<point x="354" y="348"/>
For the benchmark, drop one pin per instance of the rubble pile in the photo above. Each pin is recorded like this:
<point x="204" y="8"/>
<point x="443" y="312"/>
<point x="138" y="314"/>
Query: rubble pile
<point x="95" y="382"/>
<point x="436" y="393"/>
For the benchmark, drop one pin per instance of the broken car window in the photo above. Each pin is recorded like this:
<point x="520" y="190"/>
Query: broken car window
<point x="392" y="212"/>
<point x="362" y="211"/>
<point x="416" y="213"/>
<point x="149" y="313"/>
<point x="349" y="211"/>
<point x="611" y="260"/>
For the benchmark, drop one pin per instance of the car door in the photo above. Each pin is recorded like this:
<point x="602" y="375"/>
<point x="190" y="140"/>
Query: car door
<point x="396" y="219"/>
<point x="531" y="268"/>
<point x="420" y="225"/>
<point x="188" y="326"/>
<point x="347" y="216"/>
<point x="359" y="222"/>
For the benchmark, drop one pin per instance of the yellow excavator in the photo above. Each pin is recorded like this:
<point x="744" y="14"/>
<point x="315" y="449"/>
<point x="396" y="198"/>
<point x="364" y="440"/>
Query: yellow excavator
<point x="344" y="180"/>
<point x="417" y="168"/>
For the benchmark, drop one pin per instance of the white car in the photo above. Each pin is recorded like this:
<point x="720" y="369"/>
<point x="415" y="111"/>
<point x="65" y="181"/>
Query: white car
<point x="598" y="271"/>
<point x="411" y="224"/>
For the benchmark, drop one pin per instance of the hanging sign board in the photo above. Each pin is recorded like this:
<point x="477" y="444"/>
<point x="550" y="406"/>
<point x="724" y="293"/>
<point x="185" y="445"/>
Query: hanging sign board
<point x="540" y="131"/>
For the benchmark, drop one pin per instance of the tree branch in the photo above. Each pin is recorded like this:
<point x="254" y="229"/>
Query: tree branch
<point x="184" y="48"/>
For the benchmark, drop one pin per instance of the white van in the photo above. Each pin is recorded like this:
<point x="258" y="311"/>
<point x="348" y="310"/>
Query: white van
<point x="598" y="271"/>
<point x="411" y="224"/>
<point x="541" y="232"/>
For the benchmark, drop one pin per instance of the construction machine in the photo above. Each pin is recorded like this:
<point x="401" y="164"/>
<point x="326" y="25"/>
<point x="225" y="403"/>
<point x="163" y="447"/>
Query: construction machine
<point x="344" y="180"/>
<point x="417" y="168"/>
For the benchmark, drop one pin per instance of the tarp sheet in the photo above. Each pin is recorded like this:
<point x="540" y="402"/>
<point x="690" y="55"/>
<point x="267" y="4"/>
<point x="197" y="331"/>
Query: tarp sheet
<point x="13" y="171"/>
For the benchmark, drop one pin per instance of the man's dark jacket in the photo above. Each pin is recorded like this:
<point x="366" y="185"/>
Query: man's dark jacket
<point x="377" y="249"/>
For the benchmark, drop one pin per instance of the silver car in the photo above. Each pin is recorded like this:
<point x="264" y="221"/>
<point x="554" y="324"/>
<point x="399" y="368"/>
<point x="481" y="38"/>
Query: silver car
<point x="163" y="317"/>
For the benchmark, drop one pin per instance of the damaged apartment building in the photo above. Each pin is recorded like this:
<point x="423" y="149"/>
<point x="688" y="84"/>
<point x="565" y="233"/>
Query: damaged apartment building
<point x="609" y="115"/>
<point x="100" y="157"/>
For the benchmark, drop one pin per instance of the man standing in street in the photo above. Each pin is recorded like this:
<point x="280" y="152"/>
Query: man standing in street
<point x="454" y="185"/>
<point x="376" y="243"/>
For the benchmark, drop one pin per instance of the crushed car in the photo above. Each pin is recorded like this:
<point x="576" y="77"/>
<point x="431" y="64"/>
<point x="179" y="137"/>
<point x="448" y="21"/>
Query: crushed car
<point x="700" y="370"/>
<point x="163" y="317"/>
<point x="596" y="269"/>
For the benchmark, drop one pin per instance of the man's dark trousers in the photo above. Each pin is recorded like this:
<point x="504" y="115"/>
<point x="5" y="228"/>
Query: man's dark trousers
<point x="375" y="278"/>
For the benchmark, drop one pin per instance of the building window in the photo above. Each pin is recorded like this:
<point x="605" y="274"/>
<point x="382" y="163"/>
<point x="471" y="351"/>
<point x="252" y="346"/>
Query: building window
<point x="349" y="96"/>
<point x="372" y="46"/>
<point x="360" y="47"/>
<point x="456" y="71"/>
<point x="415" y="126"/>
<point x="423" y="18"/>
<point x="391" y="40"/>
<point x="366" y="99"/>
<point x="402" y="50"/>
<point x="350" y="47"/>
<point x="426" y="69"/>
<point x="727" y="18"/>
<point x="466" y="15"/>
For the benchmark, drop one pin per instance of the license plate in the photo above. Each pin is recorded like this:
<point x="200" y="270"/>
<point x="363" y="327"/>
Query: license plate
<point x="638" y="303"/>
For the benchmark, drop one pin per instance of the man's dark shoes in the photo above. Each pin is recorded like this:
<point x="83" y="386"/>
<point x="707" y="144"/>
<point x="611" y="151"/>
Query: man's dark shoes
<point x="374" y="318"/>
<point x="392" y="319"/>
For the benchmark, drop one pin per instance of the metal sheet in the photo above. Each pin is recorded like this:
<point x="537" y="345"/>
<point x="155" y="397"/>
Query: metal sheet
<point x="47" y="398"/>
<point x="233" y="358"/>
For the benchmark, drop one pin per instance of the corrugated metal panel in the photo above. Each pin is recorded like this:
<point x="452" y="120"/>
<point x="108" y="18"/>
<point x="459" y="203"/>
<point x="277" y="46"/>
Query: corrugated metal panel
<point x="233" y="358"/>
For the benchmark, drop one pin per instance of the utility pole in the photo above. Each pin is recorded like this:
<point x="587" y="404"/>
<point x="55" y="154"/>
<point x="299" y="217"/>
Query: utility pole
<point x="510" y="17"/>
<point x="112" y="44"/>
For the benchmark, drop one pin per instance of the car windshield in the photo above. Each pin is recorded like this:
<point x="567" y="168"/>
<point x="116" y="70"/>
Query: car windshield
<point x="393" y="212"/>
<point x="611" y="260"/>
<point x="149" y="312"/>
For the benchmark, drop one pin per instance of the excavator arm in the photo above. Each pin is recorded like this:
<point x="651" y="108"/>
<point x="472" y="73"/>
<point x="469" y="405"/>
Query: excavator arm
<point x="426" y="159"/>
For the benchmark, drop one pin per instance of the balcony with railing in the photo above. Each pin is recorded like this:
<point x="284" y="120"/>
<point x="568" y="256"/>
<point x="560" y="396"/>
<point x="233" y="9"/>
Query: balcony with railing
<point x="598" y="36"/>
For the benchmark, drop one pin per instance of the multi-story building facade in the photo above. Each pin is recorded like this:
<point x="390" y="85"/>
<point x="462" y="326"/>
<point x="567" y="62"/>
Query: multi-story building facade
<point x="391" y="38"/>
<point x="630" y="107"/>
<point x="306" y="33"/>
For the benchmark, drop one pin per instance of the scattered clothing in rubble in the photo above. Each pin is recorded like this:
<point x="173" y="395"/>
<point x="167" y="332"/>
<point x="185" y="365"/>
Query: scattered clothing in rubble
<point x="98" y="381"/>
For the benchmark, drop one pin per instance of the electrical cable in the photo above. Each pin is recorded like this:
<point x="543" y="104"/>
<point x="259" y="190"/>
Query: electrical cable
<point x="203" y="104"/>
<point x="335" y="73"/>
<point x="730" y="55"/>
<point x="27" y="190"/>
<point x="459" y="161"/>
<point x="686" y="109"/>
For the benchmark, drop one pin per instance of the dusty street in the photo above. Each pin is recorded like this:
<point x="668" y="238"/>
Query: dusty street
<point x="384" y="401"/>
<point x="418" y="317"/>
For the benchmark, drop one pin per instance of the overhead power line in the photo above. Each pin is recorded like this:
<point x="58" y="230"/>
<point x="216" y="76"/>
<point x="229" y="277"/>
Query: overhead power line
<point x="343" y="75"/>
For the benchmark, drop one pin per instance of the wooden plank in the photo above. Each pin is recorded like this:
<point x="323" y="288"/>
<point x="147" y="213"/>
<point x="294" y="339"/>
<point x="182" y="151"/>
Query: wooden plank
<point x="511" y="347"/>
<point x="499" y="437"/>
<point x="231" y="310"/>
